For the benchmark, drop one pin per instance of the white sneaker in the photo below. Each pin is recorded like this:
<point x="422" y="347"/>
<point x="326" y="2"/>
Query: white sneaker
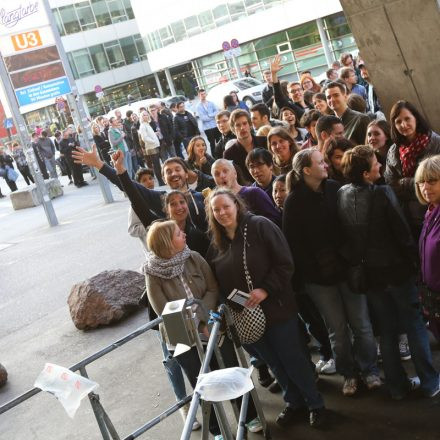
<point x="329" y="367"/>
<point x="254" y="425"/>
<point x="319" y="365"/>
<point x="184" y="413"/>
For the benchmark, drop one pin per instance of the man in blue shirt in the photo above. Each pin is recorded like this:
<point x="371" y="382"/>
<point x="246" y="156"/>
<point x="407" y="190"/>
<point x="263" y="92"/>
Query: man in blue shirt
<point x="206" y="111"/>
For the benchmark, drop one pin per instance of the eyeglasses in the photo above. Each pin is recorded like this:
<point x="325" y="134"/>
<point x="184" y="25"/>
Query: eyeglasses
<point x="429" y="182"/>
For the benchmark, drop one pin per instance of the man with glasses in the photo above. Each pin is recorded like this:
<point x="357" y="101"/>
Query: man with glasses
<point x="295" y="101"/>
<point x="259" y="162"/>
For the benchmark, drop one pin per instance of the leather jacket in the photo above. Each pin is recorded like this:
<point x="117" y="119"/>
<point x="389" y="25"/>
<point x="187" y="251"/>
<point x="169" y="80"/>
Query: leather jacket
<point x="377" y="232"/>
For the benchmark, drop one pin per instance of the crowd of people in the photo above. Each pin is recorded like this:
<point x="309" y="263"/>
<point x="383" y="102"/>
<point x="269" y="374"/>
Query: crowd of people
<point x="326" y="215"/>
<point x="52" y="151"/>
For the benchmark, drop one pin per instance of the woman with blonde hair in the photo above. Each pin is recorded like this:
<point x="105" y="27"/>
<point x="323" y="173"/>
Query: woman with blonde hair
<point x="283" y="148"/>
<point x="198" y="158"/>
<point x="427" y="187"/>
<point x="150" y="145"/>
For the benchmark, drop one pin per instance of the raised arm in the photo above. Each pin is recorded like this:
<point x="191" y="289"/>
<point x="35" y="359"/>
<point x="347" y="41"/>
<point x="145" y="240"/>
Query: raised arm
<point x="138" y="203"/>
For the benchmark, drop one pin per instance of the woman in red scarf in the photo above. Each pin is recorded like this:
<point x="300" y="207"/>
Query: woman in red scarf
<point x="413" y="141"/>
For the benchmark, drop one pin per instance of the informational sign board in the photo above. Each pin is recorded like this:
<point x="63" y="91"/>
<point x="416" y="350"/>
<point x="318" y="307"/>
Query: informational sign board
<point x="231" y="49"/>
<point x="31" y="57"/>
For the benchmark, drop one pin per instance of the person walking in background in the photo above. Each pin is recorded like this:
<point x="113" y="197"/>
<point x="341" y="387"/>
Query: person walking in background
<point x="206" y="111"/>
<point x="185" y="125"/>
<point x="46" y="147"/>
<point x="67" y="146"/>
<point x="20" y="160"/>
<point x="116" y="138"/>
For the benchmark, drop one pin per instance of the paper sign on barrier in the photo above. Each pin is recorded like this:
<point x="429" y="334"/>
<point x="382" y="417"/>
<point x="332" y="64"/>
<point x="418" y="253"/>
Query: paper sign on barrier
<point x="68" y="387"/>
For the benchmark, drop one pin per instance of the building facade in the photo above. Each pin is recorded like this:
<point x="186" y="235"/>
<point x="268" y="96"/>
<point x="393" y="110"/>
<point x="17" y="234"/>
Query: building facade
<point x="134" y="49"/>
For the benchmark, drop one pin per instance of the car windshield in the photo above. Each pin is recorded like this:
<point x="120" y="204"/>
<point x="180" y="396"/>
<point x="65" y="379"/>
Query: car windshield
<point x="246" y="83"/>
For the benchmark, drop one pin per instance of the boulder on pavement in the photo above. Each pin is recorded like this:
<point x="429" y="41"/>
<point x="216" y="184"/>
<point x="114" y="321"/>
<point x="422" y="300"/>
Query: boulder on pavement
<point x="105" y="298"/>
<point x="3" y="375"/>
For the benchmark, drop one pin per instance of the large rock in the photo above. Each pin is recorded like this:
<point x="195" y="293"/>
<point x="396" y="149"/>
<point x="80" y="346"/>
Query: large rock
<point x="3" y="375"/>
<point x="105" y="298"/>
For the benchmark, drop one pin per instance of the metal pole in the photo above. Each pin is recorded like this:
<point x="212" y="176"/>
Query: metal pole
<point x="170" y="82"/>
<point x="25" y="140"/>
<point x="325" y="43"/>
<point x="237" y="66"/>
<point x="78" y="105"/>
<point x="218" y="407"/>
<point x="158" y="84"/>
<point x="242" y="420"/>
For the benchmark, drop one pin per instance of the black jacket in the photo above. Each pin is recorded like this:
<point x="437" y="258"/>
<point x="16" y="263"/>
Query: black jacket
<point x="197" y="240"/>
<point x="267" y="95"/>
<point x="153" y="199"/>
<point x="221" y="143"/>
<point x="376" y="231"/>
<point x="103" y="146"/>
<point x="281" y="100"/>
<point x="269" y="263"/>
<point x="312" y="229"/>
<point x="185" y="126"/>
<point x="166" y="128"/>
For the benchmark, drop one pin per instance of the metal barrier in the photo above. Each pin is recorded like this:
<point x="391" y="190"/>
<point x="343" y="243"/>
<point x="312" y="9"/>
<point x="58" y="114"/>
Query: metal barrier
<point x="106" y="426"/>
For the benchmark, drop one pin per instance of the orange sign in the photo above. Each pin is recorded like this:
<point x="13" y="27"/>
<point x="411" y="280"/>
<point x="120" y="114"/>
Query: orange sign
<point x="27" y="40"/>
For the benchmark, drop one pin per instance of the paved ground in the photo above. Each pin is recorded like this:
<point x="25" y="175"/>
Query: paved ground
<point x="39" y="264"/>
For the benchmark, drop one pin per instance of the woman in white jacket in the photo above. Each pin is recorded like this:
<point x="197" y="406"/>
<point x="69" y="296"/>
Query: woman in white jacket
<point x="150" y="145"/>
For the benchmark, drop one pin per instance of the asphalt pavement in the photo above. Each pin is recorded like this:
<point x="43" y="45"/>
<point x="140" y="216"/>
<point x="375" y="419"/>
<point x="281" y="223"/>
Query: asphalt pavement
<point x="38" y="266"/>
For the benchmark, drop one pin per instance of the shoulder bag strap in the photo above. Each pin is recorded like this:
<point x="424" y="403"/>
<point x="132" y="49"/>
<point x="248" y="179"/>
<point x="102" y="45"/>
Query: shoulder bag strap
<point x="246" y="270"/>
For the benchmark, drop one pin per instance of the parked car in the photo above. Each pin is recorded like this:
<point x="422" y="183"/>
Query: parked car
<point x="248" y="90"/>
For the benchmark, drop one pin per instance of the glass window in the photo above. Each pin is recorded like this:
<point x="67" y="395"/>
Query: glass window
<point x="178" y="29"/>
<point x="339" y="31"/>
<point x="85" y="15"/>
<point x="69" y="19"/>
<point x="191" y="22"/>
<point x="117" y="11"/>
<point x="305" y="29"/>
<point x="221" y="15"/>
<point x="270" y="40"/>
<point x="129" y="50"/>
<point x="140" y="46"/>
<point x="309" y="40"/>
<point x="206" y="20"/>
<point x="58" y="21"/>
<point x="154" y="40"/>
<point x="72" y="65"/>
<point x="101" y="12"/>
<point x="114" y="54"/>
<point x="99" y="58"/>
<point x="128" y="9"/>
<point x="268" y="52"/>
<point x="83" y="62"/>
<point x="236" y="7"/>
<point x="335" y="20"/>
<point x="166" y="36"/>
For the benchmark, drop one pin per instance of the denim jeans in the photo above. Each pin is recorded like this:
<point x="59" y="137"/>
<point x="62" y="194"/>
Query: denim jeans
<point x="346" y="316"/>
<point x="128" y="163"/>
<point x="51" y="166"/>
<point x="388" y="304"/>
<point x="166" y="150"/>
<point x="282" y="348"/>
<point x="173" y="370"/>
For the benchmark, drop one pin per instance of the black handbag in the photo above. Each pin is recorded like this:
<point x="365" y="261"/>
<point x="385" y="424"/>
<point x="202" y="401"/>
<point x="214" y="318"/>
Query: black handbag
<point x="250" y="323"/>
<point x="357" y="278"/>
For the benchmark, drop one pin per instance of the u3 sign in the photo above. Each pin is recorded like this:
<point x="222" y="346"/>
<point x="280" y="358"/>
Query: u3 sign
<point x="27" y="40"/>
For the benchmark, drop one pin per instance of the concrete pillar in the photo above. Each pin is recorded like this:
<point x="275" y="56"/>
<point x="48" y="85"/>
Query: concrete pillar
<point x="170" y="82"/>
<point x="159" y="86"/>
<point x="325" y="43"/>
<point x="400" y="50"/>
